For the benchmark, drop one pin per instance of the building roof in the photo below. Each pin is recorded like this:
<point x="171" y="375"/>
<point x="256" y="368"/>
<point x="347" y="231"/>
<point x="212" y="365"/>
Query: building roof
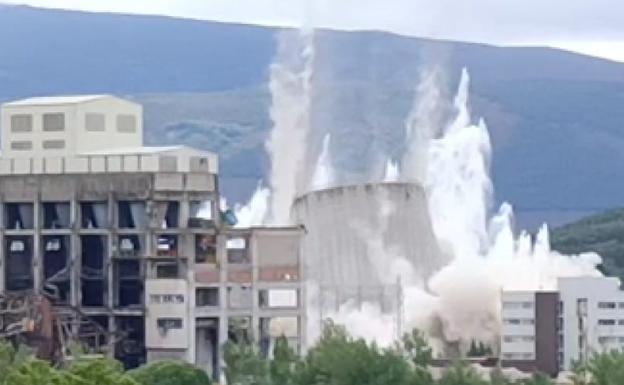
<point x="144" y="150"/>
<point x="55" y="100"/>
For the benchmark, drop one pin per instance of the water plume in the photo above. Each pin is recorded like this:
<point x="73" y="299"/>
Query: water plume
<point x="324" y="171"/>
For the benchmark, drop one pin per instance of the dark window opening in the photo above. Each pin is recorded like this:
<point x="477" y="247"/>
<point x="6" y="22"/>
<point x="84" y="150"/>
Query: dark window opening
<point x="166" y="324"/>
<point x="56" y="272"/>
<point x="128" y="278"/>
<point x="93" y="274"/>
<point x="206" y="249"/>
<point x="131" y="349"/>
<point x="207" y="346"/>
<point x="18" y="267"/>
<point x="167" y="270"/>
<point x="132" y="215"/>
<point x="19" y="216"/>
<point x="94" y="215"/>
<point x="208" y="296"/>
<point x="167" y="245"/>
<point x="93" y="333"/>
<point x="172" y="215"/>
<point x="56" y="215"/>
<point x="239" y="330"/>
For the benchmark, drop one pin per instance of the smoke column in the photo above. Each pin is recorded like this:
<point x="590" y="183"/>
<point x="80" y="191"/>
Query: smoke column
<point x="290" y="86"/>
<point x="461" y="301"/>
<point x="324" y="172"/>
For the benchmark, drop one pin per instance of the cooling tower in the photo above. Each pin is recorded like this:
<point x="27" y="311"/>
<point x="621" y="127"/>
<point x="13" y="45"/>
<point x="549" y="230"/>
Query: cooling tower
<point x="365" y="235"/>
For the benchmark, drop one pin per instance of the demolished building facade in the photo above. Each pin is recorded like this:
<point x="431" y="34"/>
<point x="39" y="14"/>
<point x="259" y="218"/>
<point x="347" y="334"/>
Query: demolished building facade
<point x="131" y="238"/>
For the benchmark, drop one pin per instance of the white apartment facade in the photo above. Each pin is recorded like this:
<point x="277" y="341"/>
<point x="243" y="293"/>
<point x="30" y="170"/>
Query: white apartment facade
<point x="550" y="331"/>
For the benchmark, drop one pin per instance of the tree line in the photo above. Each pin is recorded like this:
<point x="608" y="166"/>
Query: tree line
<point x="336" y="359"/>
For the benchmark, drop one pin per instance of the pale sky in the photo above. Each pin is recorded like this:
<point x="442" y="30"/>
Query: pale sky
<point x="594" y="27"/>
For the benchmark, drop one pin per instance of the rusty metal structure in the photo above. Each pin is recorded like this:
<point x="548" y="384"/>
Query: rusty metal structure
<point x="53" y="332"/>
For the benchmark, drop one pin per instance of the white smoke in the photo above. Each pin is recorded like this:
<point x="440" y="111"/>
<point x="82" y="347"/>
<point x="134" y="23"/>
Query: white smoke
<point x="392" y="171"/>
<point x="255" y="211"/>
<point x="324" y="172"/>
<point x="461" y="301"/>
<point x="290" y="85"/>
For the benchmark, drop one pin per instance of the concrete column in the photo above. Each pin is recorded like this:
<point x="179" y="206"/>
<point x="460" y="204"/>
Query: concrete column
<point x="2" y="246"/>
<point x="37" y="251"/>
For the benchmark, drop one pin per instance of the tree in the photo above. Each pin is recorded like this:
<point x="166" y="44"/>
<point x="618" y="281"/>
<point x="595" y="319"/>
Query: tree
<point x="169" y="373"/>
<point x="98" y="372"/>
<point x="35" y="372"/>
<point x="338" y="359"/>
<point x="600" y="369"/>
<point x="461" y="373"/>
<point x="284" y="363"/>
<point x="538" y="379"/>
<point x="416" y="348"/>
<point x="244" y="365"/>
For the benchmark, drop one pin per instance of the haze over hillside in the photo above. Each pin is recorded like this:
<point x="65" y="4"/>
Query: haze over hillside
<point x="556" y="118"/>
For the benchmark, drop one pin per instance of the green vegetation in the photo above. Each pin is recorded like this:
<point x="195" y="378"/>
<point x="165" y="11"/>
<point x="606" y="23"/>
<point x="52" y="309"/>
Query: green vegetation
<point x="602" y="233"/>
<point x="337" y="359"/>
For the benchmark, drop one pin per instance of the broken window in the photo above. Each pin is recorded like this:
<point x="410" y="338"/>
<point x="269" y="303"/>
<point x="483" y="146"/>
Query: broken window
<point x="167" y="215"/>
<point x="167" y="270"/>
<point x="237" y="250"/>
<point x="166" y="324"/>
<point x="278" y="298"/>
<point x="93" y="269"/>
<point x="207" y="296"/>
<point x="201" y="215"/>
<point x="130" y="350"/>
<point x="239" y="330"/>
<point x="19" y="216"/>
<point x="206" y="248"/>
<point x="272" y="328"/>
<point x="239" y="297"/>
<point x="56" y="272"/>
<point x="132" y="215"/>
<point x="129" y="283"/>
<point x="18" y="267"/>
<point x="131" y="245"/>
<point x="167" y="245"/>
<point x="94" y="215"/>
<point x="56" y="215"/>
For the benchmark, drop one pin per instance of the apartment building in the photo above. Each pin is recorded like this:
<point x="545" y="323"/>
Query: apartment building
<point x="131" y="237"/>
<point x="549" y="331"/>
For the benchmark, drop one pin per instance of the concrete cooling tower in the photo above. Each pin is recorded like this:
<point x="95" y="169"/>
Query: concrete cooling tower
<point x="365" y="235"/>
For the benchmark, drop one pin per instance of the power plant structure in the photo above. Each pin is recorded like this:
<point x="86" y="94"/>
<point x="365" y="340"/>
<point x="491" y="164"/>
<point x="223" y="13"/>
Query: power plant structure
<point x="359" y="239"/>
<point x="122" y="248"/>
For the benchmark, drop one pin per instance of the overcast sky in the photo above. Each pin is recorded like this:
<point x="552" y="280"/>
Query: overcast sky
<point x="594" y="27"/>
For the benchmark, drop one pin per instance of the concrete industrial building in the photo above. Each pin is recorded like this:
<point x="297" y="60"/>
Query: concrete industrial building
<point x="549" y="331"/>
<point x="131" y="237"/>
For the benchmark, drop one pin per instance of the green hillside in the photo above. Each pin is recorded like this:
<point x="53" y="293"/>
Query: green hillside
<point x="602" y="233"/>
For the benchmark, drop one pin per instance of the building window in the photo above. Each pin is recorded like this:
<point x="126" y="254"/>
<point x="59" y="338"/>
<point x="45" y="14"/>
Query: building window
<point x="54" y="122"/>
<point x="606" y="322"/>
<point x="519" y="321"/>
<point x="206" y="249"/>
<point x="126" y="123"/>
<point x="22" y="145"/>
<point x="606" y="305"/>
<point x="201" y="215"/>
<point x="167" y="270"/>
<point x="237" y="251"/>
<point x="56" y="215"/>
<point x="21" y="123"/>
<point x="166" y="324"/>
<point x="132" y="215"/>
<point x="53" y="144"/>
<point x="19" y="216"/>
<point x="94" y="215"/>
<point x="207" y="296"/>
<point x="278" y="298"/>
<point x="131" y="245"/>
<point x="95" y="122"/>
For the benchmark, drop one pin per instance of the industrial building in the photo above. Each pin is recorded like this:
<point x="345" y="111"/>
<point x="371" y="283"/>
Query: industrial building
<point x="549" y="331"/>
<point x="127" y="242"/>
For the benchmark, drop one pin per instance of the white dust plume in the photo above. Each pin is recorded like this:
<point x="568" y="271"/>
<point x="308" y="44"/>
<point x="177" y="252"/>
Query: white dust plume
<point x="324" y="172"/>
<point x="290" y="86"/>
<point x="255" y="211"/>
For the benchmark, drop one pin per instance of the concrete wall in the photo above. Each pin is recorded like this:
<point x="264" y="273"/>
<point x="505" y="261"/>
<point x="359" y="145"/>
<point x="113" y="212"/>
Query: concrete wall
<point x="75" y="136"/>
